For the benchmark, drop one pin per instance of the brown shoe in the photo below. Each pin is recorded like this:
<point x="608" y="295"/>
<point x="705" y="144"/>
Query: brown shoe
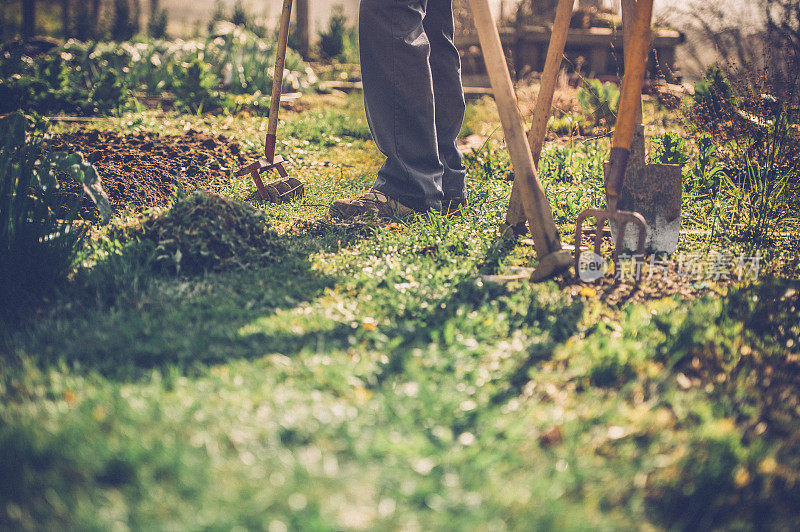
<point x="372" y="203"/>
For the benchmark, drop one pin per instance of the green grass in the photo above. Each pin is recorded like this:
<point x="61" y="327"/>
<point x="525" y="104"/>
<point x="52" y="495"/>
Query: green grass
<point x="372" y="380"/>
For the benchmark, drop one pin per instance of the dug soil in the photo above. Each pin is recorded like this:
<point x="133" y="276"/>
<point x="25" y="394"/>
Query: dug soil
<point x="142" y="170"/>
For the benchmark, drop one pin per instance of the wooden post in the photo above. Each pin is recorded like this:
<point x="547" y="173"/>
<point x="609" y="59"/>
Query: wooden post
<point x="303" y="30"/>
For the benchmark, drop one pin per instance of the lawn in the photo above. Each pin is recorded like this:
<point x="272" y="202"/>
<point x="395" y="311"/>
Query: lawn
<point x="371" y="376"/>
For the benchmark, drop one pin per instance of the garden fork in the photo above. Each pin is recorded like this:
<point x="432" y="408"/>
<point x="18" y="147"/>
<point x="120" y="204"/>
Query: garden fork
<point x="287" y="187"/>
<point x="630" y="99"/>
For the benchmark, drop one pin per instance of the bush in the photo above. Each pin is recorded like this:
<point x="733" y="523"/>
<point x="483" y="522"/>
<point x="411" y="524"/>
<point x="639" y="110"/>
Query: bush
<point x="713" y="95"/>
<point x="38" y="240"/>
<point x="157" y="25"/>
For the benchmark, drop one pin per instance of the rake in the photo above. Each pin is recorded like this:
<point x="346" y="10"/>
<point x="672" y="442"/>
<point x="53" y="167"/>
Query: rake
<point x="287" y="187"/>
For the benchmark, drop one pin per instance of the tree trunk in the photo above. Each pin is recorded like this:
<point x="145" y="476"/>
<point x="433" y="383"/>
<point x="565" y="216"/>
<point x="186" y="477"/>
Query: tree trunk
<point x="95" y="18"/>
<point x="302" y="28"/>
<point x="65" y="19"/>
<point x="28" y="29"/>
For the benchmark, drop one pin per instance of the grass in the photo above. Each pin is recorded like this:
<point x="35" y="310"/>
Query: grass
<point x="371" y="380"/>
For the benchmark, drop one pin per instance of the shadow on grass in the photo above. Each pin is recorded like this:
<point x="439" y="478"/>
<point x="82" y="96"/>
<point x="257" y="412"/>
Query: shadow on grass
<point x="122" y="320"/>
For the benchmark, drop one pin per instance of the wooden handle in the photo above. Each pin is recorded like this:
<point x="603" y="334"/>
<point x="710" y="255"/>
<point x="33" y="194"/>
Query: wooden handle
<point x="630" y="99"/>
<point x="537" y="209"/>
<point x="632" y="81"/>
<point x="552" y="66"/>
<point x="277" y="79"/>
<point x="628" y="10"/>
<point x="544" y="100"/>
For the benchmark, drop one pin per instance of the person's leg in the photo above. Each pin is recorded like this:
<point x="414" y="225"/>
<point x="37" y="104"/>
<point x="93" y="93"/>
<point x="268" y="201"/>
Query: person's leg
<point x="398" y="97"/>
<point x="448" y="96"/>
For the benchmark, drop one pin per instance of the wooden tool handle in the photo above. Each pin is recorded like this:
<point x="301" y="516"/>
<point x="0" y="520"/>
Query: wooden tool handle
<point x="630" y="98"/>
<point x="552" y="66"/>
<point x="277" y="79"/>
<point x="537" y="209"/>
<point x="544" y="100"/>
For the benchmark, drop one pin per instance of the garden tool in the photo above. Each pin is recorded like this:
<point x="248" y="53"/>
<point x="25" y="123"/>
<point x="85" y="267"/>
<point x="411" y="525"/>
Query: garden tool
<point x="515" y="216"/>
<point x="287" y="187"/>
<point x="552" y="259"/>
<point x="652" y="190"/>
<point x="630" y="99"/>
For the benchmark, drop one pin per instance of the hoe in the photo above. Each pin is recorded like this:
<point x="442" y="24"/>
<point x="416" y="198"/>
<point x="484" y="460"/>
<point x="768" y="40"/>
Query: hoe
<point x="287" y="187"/>
<point x="629" y="107"/>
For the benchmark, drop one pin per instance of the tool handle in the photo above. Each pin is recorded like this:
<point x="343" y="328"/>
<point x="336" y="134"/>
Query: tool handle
<point x="630" y="98"/>
<point x="552" y="66"/>
<point x="537" y="208"/>
<point x="277" y="79"/>
<point x="544" y="100"/>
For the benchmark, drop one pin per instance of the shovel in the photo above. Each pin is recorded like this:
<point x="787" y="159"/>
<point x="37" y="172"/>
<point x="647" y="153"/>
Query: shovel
<point x="627" y="117"/>
<point x="552" y="259"/>
<point x="515" y="216"/>
<point x="287" y="187"/>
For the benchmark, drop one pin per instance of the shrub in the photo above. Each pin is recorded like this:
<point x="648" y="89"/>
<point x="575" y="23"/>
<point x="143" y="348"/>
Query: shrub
<point x="332" y="40"/>
<point x="157" y="25"/>
<point x="46" y="86"/>
<point x="713" y="95"/>
<point x="38" y="240"/>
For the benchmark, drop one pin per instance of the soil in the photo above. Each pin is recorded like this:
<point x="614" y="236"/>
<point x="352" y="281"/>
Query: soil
<point x="142" y="170"/>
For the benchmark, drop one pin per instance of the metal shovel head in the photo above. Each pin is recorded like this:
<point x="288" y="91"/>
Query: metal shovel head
<point x="621" y="218"/>
<point x="654" y="191"/>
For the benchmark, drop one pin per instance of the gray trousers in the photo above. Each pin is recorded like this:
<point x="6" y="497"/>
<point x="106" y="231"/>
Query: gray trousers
<point x="414" y="99"/>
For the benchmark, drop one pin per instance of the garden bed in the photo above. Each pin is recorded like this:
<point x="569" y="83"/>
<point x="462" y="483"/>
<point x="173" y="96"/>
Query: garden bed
<point x="142" y="170"/>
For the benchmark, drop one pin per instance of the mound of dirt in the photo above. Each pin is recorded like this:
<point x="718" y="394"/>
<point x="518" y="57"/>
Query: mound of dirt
<point x="202" y="232"/>
<point x="142" y="170"/>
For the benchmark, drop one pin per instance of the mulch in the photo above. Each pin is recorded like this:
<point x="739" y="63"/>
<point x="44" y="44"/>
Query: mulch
<point x="142" y="170"/>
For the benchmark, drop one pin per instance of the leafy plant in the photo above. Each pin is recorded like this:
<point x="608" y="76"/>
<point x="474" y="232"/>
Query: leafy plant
<point x="670" y="148"/>
<point x="195" y="87"/>
<point x="706" y="172"/>
<point x="39" y="239"/>
<point x="599" y="101"/>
